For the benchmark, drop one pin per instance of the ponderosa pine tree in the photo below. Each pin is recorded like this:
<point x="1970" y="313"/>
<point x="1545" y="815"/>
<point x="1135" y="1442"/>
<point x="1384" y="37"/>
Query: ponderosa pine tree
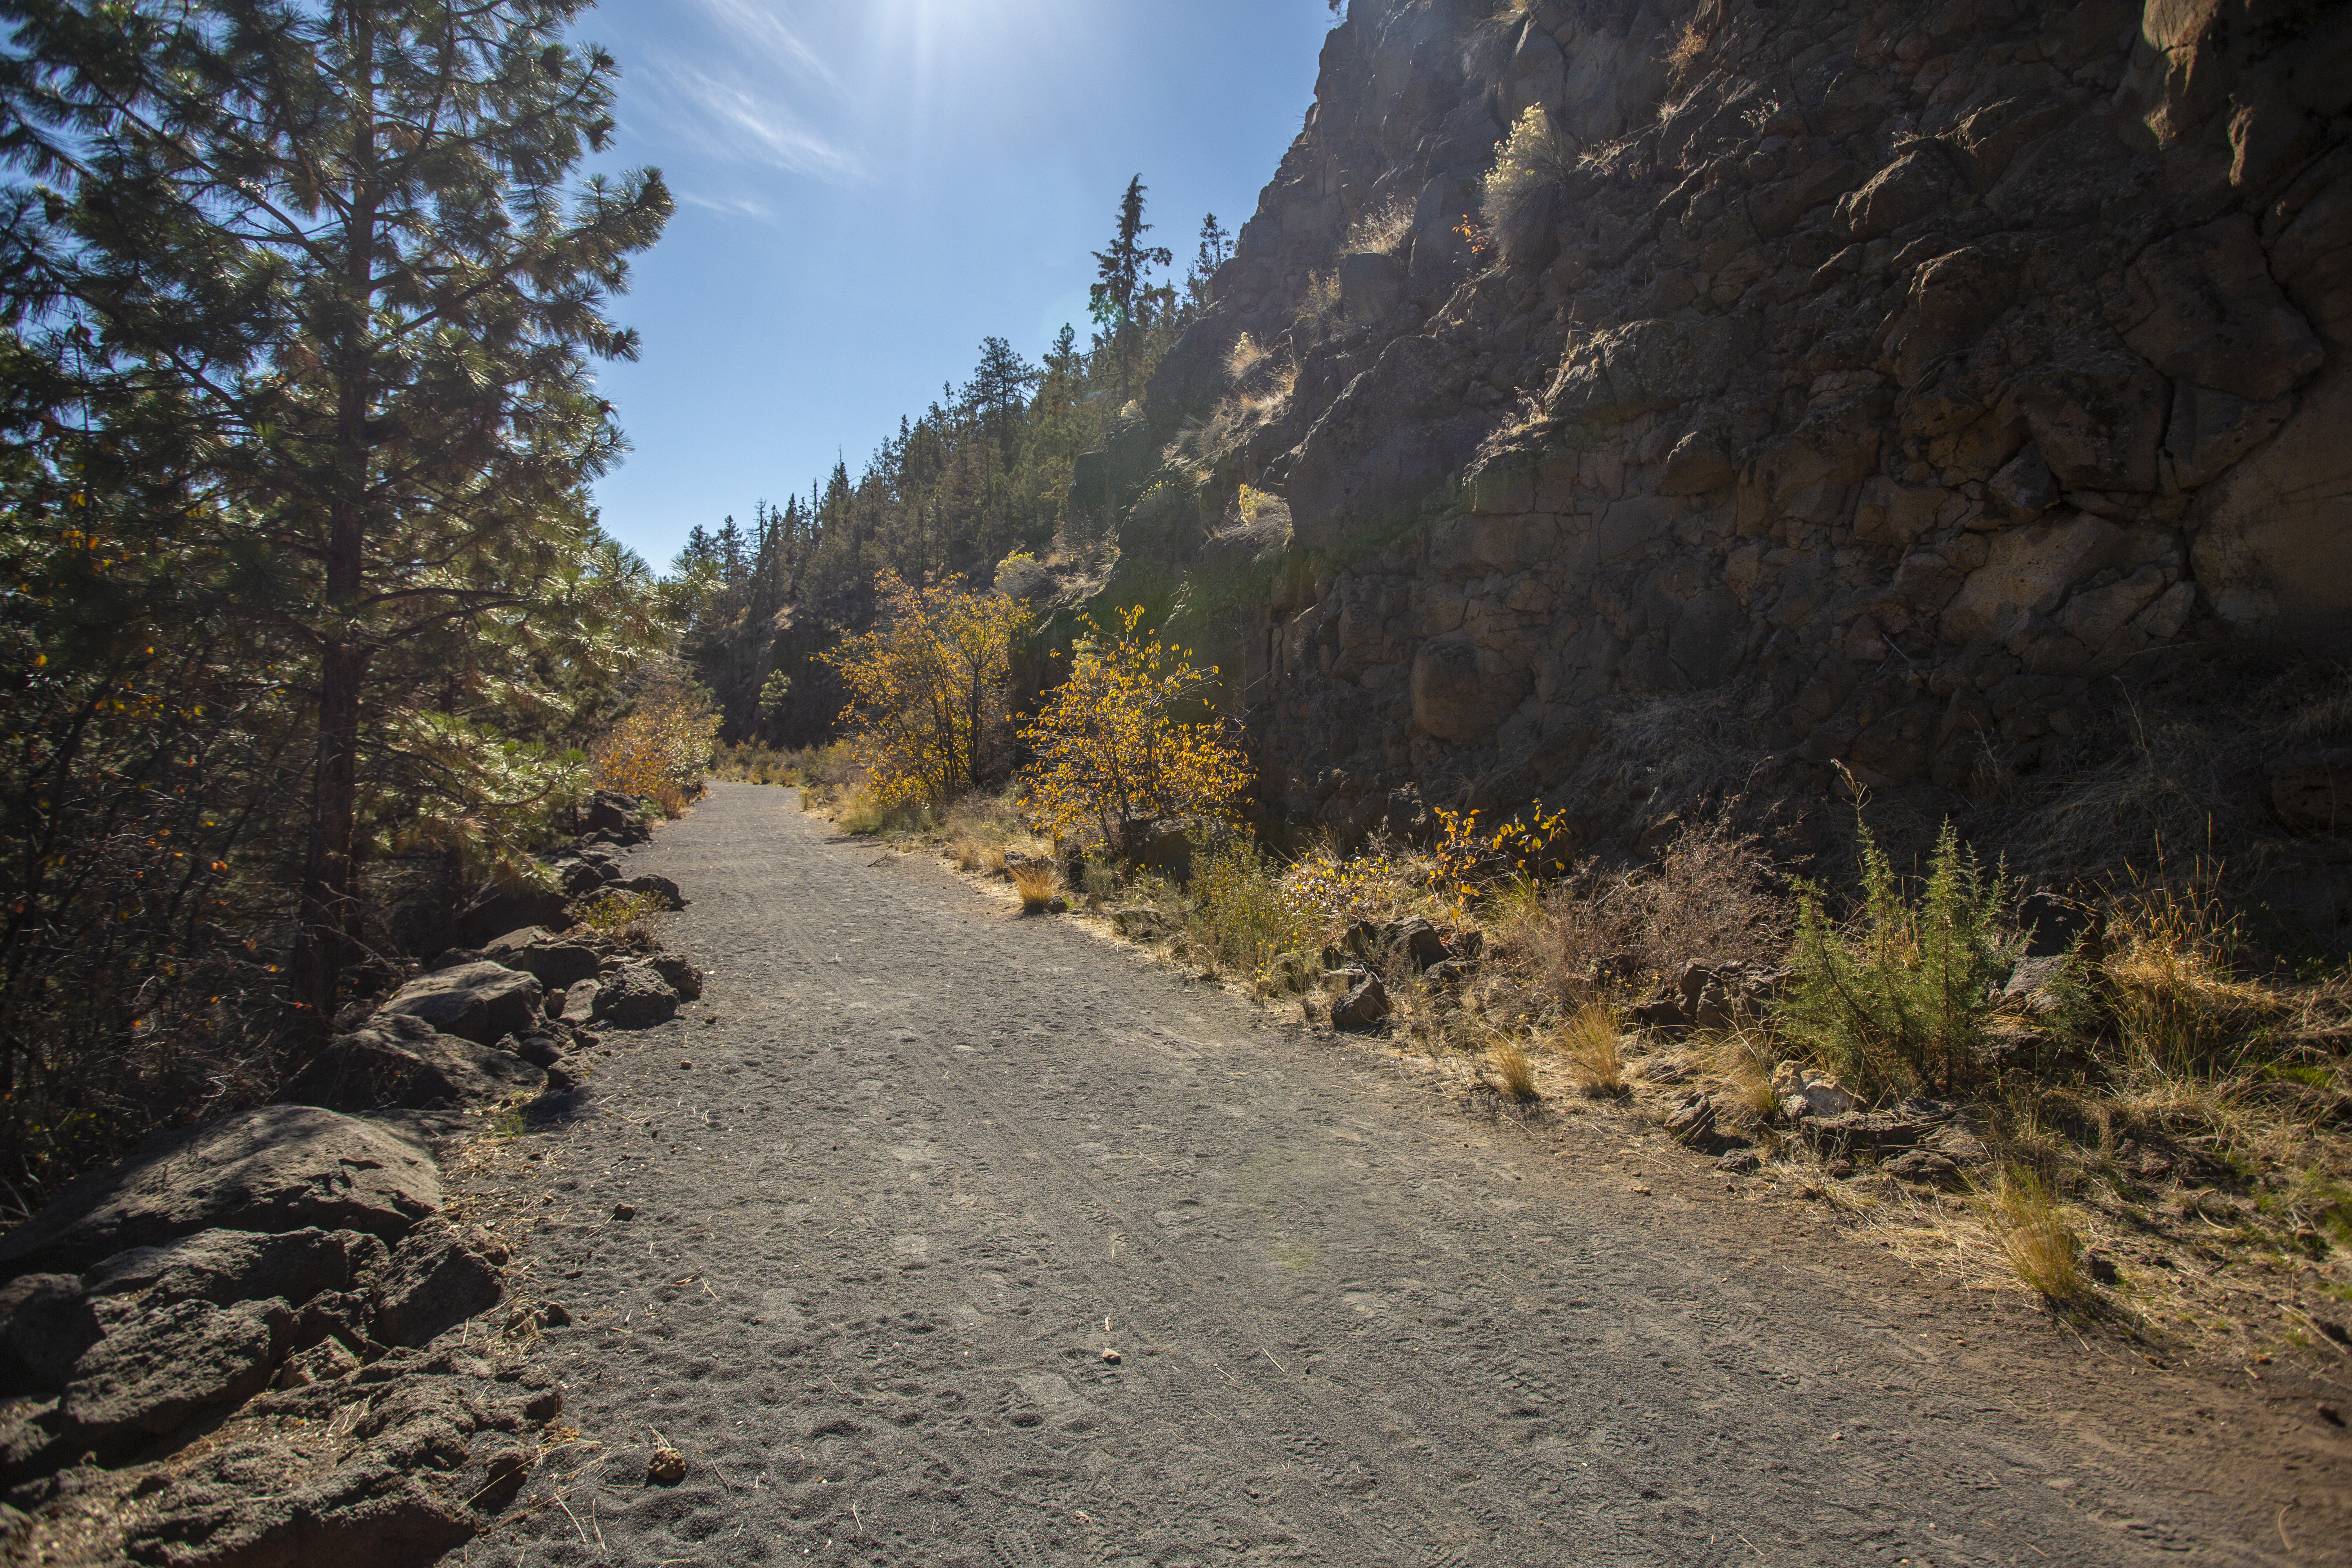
<point x="1216" y="249"/>
<point x="318" y="262"/>
<point x="1123" y="296"/>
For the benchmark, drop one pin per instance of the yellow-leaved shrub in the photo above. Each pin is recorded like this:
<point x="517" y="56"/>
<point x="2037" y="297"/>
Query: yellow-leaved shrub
<point x="926" y="714"/>
<point x="1112" y="757"/>
<point x="660" y="749"/>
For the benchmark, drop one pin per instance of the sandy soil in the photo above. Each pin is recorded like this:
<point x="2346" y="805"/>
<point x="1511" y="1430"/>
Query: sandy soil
<point x="917" y="1169"/>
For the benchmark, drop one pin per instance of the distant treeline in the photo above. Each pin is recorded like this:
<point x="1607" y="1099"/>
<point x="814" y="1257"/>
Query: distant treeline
<point x="981" y="474"/>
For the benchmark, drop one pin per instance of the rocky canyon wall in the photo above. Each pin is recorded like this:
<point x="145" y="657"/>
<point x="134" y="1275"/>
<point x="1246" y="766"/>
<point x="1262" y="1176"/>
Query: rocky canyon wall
<point x="1859" y="384"/>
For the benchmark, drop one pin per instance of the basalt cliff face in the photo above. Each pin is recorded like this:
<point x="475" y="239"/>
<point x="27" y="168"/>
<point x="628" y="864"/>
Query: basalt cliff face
<point x="1853" y="383"/>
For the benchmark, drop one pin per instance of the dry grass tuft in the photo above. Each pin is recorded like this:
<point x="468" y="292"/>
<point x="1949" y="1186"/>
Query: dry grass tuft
<point x="1744" y="1059"/>
<point x="1379" y="232"/>
<point x="1246" y="354"/>
<point x="1321" y="300"/>
<point x="1688" y="50"/>
<point x="2042" y="1247"/>
<point x="1535" y="161"/>
<point x="1036" y="881"/>
<point x="2177" y="1008"/>
<point x="1591" y="1040"/>
<point x="1710" y="897"/>
<point x="1515" y="1069"/>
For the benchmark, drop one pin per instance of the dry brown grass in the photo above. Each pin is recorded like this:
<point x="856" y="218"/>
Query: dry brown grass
<point x="1514" y="1069"/>
<point x="2042" y="1247"/>
<point x="1321" y="300"/>
<point x="1246" y="354"/>
<point x="1688" y="49"/>
<point x="1709" y="898"/>
<point x="1381" y="231"/>
<point x="1036" y="881"/>
<point x="2179" y="1008"/>
<point x="1592" y="1041"/>
<point x="1744" y="1059"/>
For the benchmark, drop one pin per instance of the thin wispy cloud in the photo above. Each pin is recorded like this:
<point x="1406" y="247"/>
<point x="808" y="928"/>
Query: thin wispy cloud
<point x="731" y="122"/>
<point x="765" y="27"/>
<point x="731" y="207"/>
<point x="760" y="100"/>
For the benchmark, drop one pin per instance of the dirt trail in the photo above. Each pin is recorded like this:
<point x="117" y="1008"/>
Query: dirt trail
<point x="932" y="1161"/>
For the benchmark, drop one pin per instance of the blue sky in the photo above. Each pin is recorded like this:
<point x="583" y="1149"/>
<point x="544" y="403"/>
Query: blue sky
<point x="867" y="188"/>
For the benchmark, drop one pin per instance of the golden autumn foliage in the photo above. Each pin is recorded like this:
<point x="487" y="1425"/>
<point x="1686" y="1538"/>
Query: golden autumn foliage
<point x="660" y="749"/>
<point x="926" y="713"/>
<point x="1111" y="755"/>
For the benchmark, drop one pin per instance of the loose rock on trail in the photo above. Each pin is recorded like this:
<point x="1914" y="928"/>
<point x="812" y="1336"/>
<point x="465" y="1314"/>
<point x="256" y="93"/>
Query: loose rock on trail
<point x="933" y="1234"/>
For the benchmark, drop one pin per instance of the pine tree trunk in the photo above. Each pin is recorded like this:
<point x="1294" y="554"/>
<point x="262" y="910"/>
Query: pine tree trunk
<point x="329" y="889"/>
<point x="329" y="876"/>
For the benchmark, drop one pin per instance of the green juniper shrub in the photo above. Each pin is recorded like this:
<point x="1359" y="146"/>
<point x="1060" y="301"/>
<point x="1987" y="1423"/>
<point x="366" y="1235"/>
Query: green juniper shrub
<point x="1899" y="999"/>
<point x="1246" y="920"/>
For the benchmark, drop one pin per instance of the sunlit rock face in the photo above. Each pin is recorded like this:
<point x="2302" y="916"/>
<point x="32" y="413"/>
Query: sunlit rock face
<point x="1887" y="376"/>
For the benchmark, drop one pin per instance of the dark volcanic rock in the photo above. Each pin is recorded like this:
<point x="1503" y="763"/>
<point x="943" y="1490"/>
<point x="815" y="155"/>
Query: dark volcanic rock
<point x="558" y="966"/>
<point x="681" y="977"/>
<point x="433" y="1283"/>
<point x="634" y="997"/>
<point x="614" y="815"/>
<point x="1363" y="1007"/>
<point x="401" y="1061"/>
<point x="224" y="1267"/>
<point x="496" y="910"/>
<point x="46" y="1323"/>
<point x="658" y="887"/>
<point x="280" y="1167"/>
<point x="476" y="1002"/>
<point x="155" y="1371"/>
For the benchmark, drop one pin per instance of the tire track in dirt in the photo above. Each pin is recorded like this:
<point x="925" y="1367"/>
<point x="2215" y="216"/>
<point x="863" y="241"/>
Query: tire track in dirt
<point x="928" y="1149"/>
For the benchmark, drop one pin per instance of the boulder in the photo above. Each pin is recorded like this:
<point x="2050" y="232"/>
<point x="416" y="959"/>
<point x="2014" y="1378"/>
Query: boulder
<point x="1692" y="1122"/>
<point x="46" y="1323"/>
<point x="579" y="1004"/>
<point x="278" y="1168"/>
<point x="634" y="997"/>
<point x="495" y="909"/>
<point x="1363" y="1007"/>
<point x="617" y="814"/>
<point x="2038" y="985"/>
<point x="476" y="1002"/>
<point x="496" y="948"/>
<point x="1462" y="692"/>
<point x="1804" y="1093"/>
<point x="1416" y="941"/>
<point x="680" y="976"/>
<point x="1140" y="923"/>
<point x="581" y="876"/>
<point x="224" y="1266"/>
<point x="153" y="1371"/>
<point x="434" y="1282"/>
<point x="1907" y="1126"/>
<point x="542" y="1049"/>
<point x="1927" y="1165"/>
<point x="661" y="889"/>
<point x="559" y="965"/>
<point x="401" y="1061"/>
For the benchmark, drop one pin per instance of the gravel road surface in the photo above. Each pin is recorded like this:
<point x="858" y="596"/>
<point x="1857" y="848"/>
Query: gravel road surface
<point x="966" y="1239"/>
